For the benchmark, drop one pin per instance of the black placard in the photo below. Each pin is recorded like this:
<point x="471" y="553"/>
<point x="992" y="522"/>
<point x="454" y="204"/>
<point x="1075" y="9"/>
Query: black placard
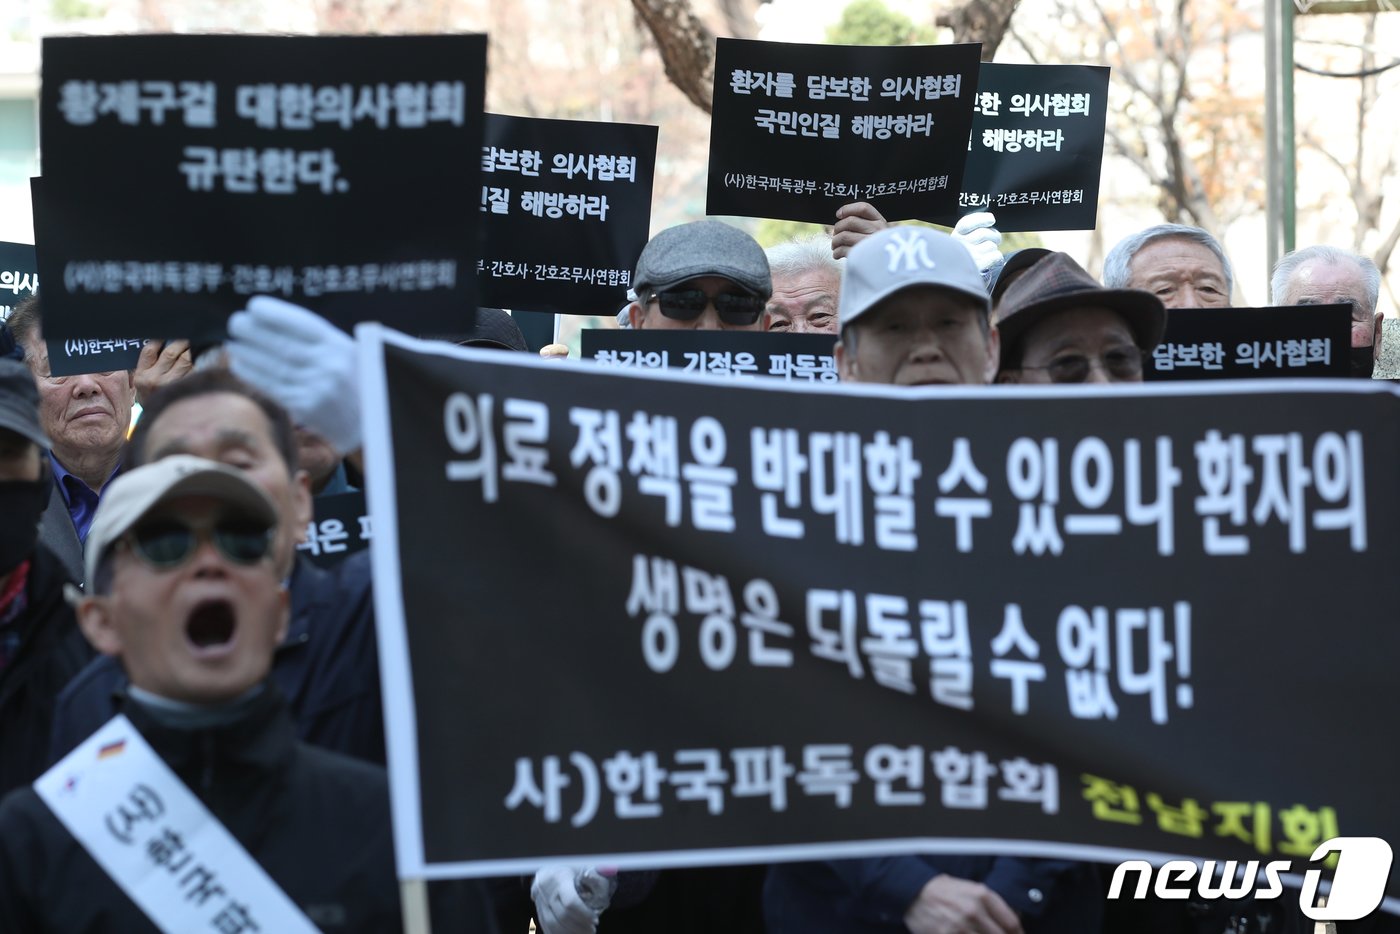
<point x="74" y="354"/>
<point x="19" y="275"/>
<point x="1085" y="615"/>
<point x="1253" y="343"/>
<point x="186" y="173"/>
<point x="565" y="212"/>
<point x="339" y="527"/>
<point x="1036" y="149"/>
<point x="733" y="354"/>
<point x="799" y="130"/>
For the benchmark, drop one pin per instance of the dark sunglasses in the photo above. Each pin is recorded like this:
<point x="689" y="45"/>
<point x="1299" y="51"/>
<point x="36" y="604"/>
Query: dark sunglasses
<point x="1125" y="365"/>
<point x="167" y="543"/>
<point x="688" y="304"/>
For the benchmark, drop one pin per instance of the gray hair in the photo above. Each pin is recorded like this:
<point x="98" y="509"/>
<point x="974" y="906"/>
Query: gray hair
<point x="805" y="254"/>
<point x="1290" y="263"/>
<point x="1115" y="264"/>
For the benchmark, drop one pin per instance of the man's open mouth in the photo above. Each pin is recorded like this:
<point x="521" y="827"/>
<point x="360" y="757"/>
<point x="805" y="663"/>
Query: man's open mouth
<point x="210" y="624"/>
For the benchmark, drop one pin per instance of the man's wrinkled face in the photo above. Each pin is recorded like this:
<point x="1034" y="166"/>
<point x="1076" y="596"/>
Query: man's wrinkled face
<point x="921" y="336"/>
<point x="231" y="429"/>
<point x="1078" y="345"/>
<point x="1181" y="272"/>
<point x="651" y="315"/>
<point x="804" y="303"/>
<point x="1318" y="282"/>
<point x="84" y="416"/>
<point x="202" y="631"/>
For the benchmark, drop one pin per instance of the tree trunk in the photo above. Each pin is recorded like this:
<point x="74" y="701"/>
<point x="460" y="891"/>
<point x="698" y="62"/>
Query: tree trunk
<point x="686" y="45"/>
<point x="984" y="21"/>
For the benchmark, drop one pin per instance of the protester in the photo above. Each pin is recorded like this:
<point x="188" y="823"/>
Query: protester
<point x="1183" y="266"/>
<point x="1324" y="275"/>
<point x="327" y="668"/>
<point x="913" y="312"/>
<point x="807" y="276"/>
<point x="806" y="285"/>
<point x="187" y="594"/>
<point x="705" y="275"/>
<point x="86" y="417"/>
<point x="41" y="647"/>
<point x="1060" y="326"/>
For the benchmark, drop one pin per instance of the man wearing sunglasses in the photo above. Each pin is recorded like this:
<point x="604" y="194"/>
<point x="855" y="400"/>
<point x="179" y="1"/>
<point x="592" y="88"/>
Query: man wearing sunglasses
<point x="328" y="666"/>
<point x="704" y="276"/>
<point x="1058" y="325"/>
<point x="186" y="593"/>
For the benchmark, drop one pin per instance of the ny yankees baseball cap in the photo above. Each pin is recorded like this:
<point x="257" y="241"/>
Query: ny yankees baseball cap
<point x="899" y="258"/>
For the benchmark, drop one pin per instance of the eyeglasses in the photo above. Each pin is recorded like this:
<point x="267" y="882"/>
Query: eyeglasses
<point x="737" y="309"/>
<point x="165" y="544"/>
<point x="1122" y="365"/>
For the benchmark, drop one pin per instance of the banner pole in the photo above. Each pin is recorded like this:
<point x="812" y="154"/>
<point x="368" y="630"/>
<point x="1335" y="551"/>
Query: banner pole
<point x="416" y="917"/>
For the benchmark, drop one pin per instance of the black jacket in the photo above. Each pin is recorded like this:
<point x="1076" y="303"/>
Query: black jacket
<point x="327" y="668"/>
<point x="51" y="651"/>
<point x="317" y="822"/>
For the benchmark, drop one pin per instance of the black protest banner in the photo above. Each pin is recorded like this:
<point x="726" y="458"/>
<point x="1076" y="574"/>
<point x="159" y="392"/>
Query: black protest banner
<point x="184" y="174"/>
<point x="19" y="275"/>
<point x="1037" y="147"/>
<point x="799" y="130"/>
<point x="797" y="623"/>
<point x="1250" y="343"/>
<point x="339" y="527"/>
<point x="565" y="212"/>
<point x="732" y="354"/>
<point x="72" y="354"/>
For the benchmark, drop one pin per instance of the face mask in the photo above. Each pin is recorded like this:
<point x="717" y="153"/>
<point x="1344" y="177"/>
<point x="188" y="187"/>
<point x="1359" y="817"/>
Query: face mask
<point x="21" y="503"/>
<point x="1363" y="361"/>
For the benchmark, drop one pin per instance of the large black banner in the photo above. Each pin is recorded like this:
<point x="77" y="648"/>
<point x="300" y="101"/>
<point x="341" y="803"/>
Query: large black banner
<point x="731" y="354"/>
<point x="799" y="130"/>
<point x="1036" y="148"/>
<point x="770" y="622"/>
<point x="184" y="174"/>
<point x="1253" y="343"/>
<point x="566" y="210"/>
<point x="339" y="527"/>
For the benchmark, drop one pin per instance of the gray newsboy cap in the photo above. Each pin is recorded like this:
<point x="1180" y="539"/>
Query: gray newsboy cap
<point x="702" y="248"/>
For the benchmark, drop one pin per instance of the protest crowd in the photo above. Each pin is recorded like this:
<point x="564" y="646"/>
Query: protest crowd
<point x="170" y="569"/>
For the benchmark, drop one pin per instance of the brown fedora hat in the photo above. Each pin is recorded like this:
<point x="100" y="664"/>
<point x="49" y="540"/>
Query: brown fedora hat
<point x="1056" y="283"/>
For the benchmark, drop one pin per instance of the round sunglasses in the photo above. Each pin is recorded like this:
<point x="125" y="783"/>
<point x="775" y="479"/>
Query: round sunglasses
<point x="168" y="543"/>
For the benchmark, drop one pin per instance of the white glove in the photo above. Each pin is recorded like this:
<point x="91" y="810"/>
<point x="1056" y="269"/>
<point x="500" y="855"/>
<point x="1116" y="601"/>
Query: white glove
<point x="301" y="360"/>
<point x="559" y="908"/>
<point x="979" y="234"/>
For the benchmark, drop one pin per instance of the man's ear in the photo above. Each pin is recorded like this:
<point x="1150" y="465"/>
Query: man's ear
<point x="989" y="372"/>
<point x="301" y="498"/>
<point x="636" y="314"/>
<point x="845" y="364"/>
<point x="95" y="620"/>
<point x="1376" y="330"/>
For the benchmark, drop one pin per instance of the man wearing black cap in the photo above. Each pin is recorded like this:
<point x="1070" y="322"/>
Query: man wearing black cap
<point x="705" y="276"/>
<point x="40" y="645"/>
<point x="1058" y="325"/>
